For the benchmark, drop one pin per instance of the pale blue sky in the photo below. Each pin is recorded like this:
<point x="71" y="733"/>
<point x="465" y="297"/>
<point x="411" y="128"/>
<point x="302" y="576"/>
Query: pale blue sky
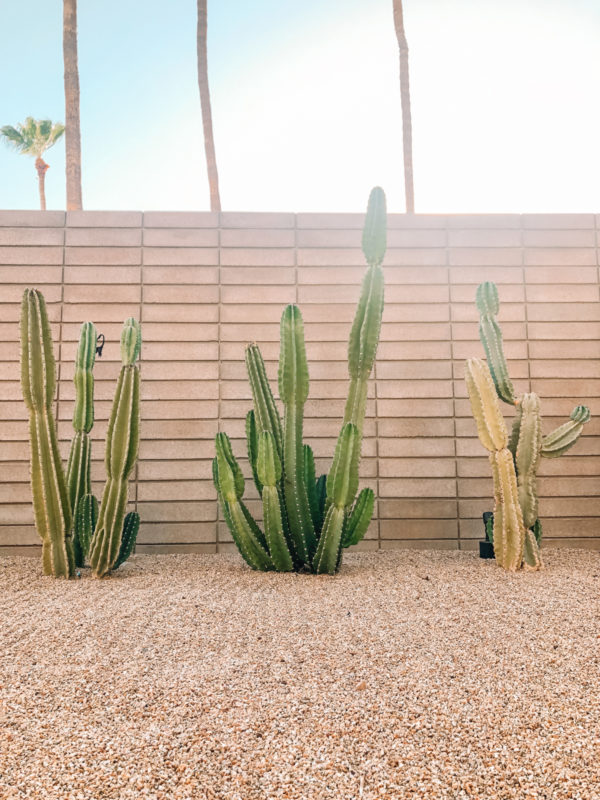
<point x="505" y="93"/>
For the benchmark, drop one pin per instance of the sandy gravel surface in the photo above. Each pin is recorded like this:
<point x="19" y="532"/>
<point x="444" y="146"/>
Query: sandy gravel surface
<point x="409" y="675"/>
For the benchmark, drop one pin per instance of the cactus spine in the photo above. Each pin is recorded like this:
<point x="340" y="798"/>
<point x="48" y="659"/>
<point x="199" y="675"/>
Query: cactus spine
<point x="52" y="510"/>
<point x="516" y="528"/>
<point x="307" y="520"/>
<point x="122" y="442"/>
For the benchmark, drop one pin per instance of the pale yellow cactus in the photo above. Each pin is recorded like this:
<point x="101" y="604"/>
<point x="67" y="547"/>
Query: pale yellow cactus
<point x="509" y="528"/>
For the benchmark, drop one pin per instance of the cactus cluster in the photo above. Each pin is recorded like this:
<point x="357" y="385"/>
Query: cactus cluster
<point x="307" y="521"/>
<point x="66" y="513"/>
<point x="514" y="459"/>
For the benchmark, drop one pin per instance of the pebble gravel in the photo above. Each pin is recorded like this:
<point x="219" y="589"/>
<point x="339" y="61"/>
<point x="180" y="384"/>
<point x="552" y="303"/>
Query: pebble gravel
<point x="411" y="674"/>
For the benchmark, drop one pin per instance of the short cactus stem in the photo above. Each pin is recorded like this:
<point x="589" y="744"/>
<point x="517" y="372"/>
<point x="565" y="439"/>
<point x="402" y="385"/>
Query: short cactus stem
<point x="52" y="510"/>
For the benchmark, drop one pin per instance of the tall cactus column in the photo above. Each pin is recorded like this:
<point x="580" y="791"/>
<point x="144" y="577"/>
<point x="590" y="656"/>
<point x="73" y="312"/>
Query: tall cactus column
<point x="51" y="505"/>
<point x="122" y="442"/>
<point x="293" y="390"/>
<point x="79" y="464"/>
<point x="364" y="336"/>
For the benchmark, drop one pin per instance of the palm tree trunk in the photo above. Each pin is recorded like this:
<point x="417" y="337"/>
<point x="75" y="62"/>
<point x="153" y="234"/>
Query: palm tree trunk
<point x="209" y="142"/>
<point x="41" y="168"/>
<point x="72" y="126"/>
<point x="405" y="102"/>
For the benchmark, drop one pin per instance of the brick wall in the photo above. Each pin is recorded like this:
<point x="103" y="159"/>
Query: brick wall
<point x="204" y="286"/>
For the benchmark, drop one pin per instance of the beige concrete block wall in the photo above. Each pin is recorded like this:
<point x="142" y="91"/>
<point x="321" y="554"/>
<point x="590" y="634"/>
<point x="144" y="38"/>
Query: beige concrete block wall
<point x="204" y="284"/>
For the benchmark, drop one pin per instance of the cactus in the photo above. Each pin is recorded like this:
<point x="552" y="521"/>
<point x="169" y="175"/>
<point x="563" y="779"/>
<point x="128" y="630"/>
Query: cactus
<point x="79" y="463"/>
<point x="65" y="511"/>
<point x="122" y="441"/>
<point x="308" y="521"/>
<point x="52" y="510"/>
<point x="517" y="531"/>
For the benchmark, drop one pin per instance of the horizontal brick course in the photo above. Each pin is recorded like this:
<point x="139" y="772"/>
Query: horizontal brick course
<point x="204" y="284"/>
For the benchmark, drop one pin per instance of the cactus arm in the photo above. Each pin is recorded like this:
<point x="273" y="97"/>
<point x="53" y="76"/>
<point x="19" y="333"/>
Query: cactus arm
<point x="311" y="486"/>
<point x="229" y="482"/>
<point x="326" y="559"/>
<point x="342" y="483"/>
<point x="532" y="559"/>
<point x="565" y="436"/>
<point x="366" y="326"/>
<point x="527" y="457"/>
<point x="321" y="492"/>
<point x="79" y="463"/>
<point x="362" y="345"/>
<point x="122" y="442"/>
<point x="131" y="526"/>
<point x="515" y="431"/>
<point x="83" y="412"/>
<point x="359" y="519"/>
<point x="266" y="414"/>
<point x="375" y="227"/>
<point x="272" y="520"/>
<point x="268" y="467"/>
<point x="52" y="511"/>
<point x="491" y="339"/>
<point x="484" y="404"/>
<point x="227" y="516"/>
<point x="245" y="536"/>
<point x="509" y="529"/>
<point x="252" y="442"/>
<point x="293" y="390"/>
<point x="85" y="521"/>
<point x="79" y="469"/>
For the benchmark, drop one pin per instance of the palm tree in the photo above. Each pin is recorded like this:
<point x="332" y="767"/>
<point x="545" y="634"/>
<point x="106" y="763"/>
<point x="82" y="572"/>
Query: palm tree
<point x="209" y="142"/>
<point x="405" y="102"/>
<point x="73" y="133"/>
<point x="32" y="138"/>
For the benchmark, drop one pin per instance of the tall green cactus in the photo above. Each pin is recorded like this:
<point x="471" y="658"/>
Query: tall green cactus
<point x="307" y="520"/>
<point x="52" y="510"/>
<point x="516" y="537"/>
<point x="122" y="441"/>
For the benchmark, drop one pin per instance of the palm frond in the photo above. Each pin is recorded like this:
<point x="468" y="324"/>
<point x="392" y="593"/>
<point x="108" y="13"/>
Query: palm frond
<point x="57" y="131"/>
<point x="12" y="137"/>
<point x="32" y="137"/>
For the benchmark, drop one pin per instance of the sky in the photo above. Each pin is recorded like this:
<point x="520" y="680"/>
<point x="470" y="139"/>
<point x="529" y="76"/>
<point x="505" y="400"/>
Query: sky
<point x="306" y="106"/>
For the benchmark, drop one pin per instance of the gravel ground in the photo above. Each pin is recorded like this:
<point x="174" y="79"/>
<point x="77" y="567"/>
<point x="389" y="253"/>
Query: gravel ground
<point x="408" y="675"/>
